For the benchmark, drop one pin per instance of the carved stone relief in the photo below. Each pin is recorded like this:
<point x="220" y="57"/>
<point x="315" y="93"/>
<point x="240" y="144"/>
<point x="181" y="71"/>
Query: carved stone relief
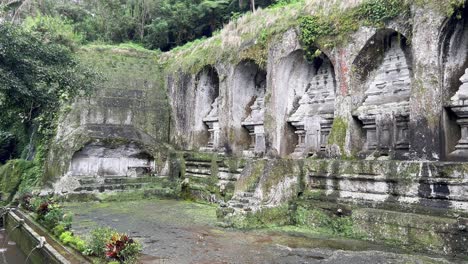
<point x="313" y="118"/>
<point x="385" y="110"/>
<point x="212" y="122"/>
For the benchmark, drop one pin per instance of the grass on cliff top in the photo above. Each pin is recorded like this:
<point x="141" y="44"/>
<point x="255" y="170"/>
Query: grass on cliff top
<point x="122" y="48"/>
<point x="252" y="33"/>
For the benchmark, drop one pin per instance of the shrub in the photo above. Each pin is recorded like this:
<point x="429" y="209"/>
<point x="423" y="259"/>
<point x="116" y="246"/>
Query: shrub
<point x="58" y="230"/>
<point x="96" y="244"/>
<point x="25" y="201"/>
<point x="122" y="248"/>
<point x="69" y="239"/>
<point x="50" y="215"/>
<point x="105" y="242"/>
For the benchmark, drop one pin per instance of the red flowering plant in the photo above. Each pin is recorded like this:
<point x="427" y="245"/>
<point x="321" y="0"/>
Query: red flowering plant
<point x="43" y="209"/>
<point x="122" y="248"/>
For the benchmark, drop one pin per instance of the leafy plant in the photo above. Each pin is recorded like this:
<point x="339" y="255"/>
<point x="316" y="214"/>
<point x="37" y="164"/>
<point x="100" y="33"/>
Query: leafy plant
<point x="376" y="12"/>
<point x="69" y="239"/>
<point x="96" y="243"/>
<point x="105" y="242"/>
<point x="50" y="214"/>
<point x="312" y="28"/>
<point x="122" y="248"/>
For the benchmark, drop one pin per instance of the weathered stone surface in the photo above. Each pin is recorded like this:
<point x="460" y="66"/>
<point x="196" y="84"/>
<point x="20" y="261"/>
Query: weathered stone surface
<point x="314" y="116"/>
<point x="121" y="129"/>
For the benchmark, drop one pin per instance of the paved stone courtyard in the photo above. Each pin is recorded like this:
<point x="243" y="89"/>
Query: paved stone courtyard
<point x="185" y="232"/>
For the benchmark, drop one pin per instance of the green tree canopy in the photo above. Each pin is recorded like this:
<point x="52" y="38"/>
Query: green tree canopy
<point x="36" y="76"/>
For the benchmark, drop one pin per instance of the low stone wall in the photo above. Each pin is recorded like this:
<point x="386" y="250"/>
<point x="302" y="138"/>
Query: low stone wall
<point x="416" y="205"/>
<point x="27" y="239"/>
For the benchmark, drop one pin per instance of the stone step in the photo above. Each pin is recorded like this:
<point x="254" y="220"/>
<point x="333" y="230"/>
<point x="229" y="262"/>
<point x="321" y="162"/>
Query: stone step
<point x="197" y="175"/>
<point x="237" y="205"/>
<point x="205" y="164"/>
<point x="109" y="187"/>
<point x="245" y="194"/>
<point x="228" y="176"/>
<point x="227" y="170"/>
<point x="115" y="180"/>
<point x="126" y="180"/>
<point x="198" y="171"/>
<point x="87" y="180"/>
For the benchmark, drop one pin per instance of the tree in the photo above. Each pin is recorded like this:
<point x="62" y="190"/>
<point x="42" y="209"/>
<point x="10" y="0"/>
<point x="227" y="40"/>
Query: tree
<point x="36" y="77"/>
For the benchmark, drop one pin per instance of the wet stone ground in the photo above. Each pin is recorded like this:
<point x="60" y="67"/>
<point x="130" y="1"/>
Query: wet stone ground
<point x="9" y="252"/>
<point x="184" y="232"/>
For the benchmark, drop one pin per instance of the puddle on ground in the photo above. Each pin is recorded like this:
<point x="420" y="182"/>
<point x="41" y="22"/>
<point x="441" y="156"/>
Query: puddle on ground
<point x="182" y="232"/>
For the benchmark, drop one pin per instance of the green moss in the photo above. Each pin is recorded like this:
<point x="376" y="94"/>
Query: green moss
<point x="338" y="134"/>
<point x="325" y="223"/>
<point x="264" y="218"/>
<point x="250" y="181"/>
<point x="19" y="175"/>
<point x="447" y="7"/>
<point x="278" y="171"/>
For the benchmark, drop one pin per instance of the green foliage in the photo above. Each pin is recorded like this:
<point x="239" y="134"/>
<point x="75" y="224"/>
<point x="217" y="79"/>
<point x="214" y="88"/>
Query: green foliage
<point x="327" y="31"/>
<point x="54" y="29"/>
<point x="123" y="248"/>
<point x="338" y="134"/>
<point x="312" y="28"/>
<point x="69" y="239"/>
<point x="377" y="12"/>
<point x="50" y="214"/>
<point x="36" y="77"/>
<point x="266" y="217"/>
<point x="282" y="3"/>
<point x="96" y="243"/>
<point x="7" y="146"/>
<point x="160" y="24"/>
<point x="324" y="223"/>
<point x="18" y="175"/>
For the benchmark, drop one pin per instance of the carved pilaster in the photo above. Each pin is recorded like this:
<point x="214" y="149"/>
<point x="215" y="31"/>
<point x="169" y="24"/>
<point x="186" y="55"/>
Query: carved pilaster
<point x="211" y="121"/>
<point x="325" y="129"/>
<point x="254" y="125"/>
<point x="402" y="135"/>
<point x="370" y="129"/>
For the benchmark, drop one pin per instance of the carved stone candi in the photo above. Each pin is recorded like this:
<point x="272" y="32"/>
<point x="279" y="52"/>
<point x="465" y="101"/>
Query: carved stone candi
<point x="254" y="124"/>
<point x="212" y="122"/>
<point x="313" y="118"/>
<point x="385" y="110"/>
<point x="459" y="105"/>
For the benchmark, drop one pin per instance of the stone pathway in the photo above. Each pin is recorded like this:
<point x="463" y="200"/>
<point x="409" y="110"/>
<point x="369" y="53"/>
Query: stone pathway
<point x="182" y="232"/>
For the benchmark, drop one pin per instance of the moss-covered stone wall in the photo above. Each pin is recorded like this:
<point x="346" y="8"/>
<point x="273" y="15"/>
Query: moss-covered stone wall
<point x="128" y="105"/>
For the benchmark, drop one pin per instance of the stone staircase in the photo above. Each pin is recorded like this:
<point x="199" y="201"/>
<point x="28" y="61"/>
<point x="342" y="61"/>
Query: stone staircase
<point x="242" y="203"/>
<point x="199" y="171"/>
<point x="117" y="183"/>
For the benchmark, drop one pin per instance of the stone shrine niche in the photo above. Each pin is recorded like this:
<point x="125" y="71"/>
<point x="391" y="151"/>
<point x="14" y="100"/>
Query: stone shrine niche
<point x="100" y="159"/>
<point x="459" y="105"/>
<point x="206" y="127"/>
<point x="313" y="117"/>
<point x="254" y="120"/>
<point x="454" y="63"/>
<point x="212" y="122"/>
<point x="384" y="113"/>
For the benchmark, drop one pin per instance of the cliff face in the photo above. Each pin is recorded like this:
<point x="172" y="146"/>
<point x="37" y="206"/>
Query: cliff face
<point x="365" y="120"/>
<point x="388" y="86"/>
<point x="122" y="127"/>
<point x="375" y="118"/>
